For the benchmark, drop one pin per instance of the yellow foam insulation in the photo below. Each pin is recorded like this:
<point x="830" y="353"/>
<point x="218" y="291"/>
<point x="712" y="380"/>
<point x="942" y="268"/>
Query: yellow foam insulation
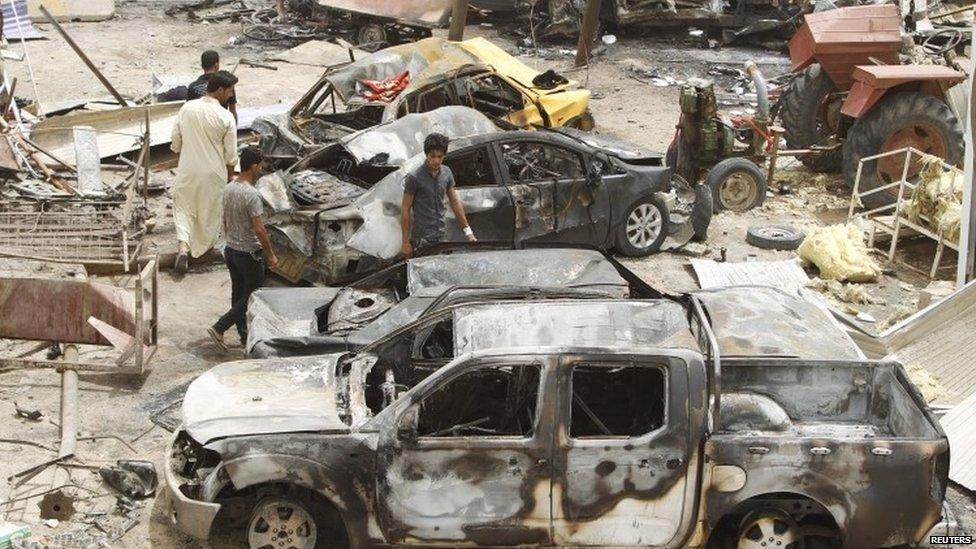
<point x="840" y="254"/>
<point x="844" y="293"/>
<point x="937" y="200"/>
<point x="927" y="384"/>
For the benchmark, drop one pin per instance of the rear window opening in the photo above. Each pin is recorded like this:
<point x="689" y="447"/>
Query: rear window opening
<point x="617" y="401"/>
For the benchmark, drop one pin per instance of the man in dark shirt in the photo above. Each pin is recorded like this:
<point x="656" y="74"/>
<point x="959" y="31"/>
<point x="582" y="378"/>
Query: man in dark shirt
<point x="210" y="61"/>
<point x="423" y="211"/>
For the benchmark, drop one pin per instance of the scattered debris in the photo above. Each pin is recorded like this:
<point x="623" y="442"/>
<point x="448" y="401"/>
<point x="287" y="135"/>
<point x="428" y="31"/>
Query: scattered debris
<point x="786" y="275"/>
<point x="840" y="254"/>
<point x="844" y="292"/>
<point x="135" y="479"/>
<point x="933" y="293"/>
<point x="10" y="532"/>
<point x="32" y="415"/>
<point x="57" y="505"/>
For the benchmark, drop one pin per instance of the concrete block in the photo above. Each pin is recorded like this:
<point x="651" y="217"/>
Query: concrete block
<point x="72" y="10"/>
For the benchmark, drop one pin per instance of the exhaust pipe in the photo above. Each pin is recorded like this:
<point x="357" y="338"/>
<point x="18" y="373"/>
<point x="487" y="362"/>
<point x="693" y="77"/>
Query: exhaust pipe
<point x="762" y="91"/>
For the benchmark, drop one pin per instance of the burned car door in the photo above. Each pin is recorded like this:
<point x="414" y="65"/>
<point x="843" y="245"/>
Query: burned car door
<point x="466" y="458"/>
<point x="553" y="198"/>
<point x="624" y="449"/>
<point x="487" y="203"/>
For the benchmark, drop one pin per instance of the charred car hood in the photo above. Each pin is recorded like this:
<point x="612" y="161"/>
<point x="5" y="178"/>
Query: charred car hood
<point x="624" y="150"/>
<point x="252" y="397"/>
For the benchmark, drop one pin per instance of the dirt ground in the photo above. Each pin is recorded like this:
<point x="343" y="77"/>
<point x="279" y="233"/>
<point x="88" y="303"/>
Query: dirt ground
<point x="139" y="42"/>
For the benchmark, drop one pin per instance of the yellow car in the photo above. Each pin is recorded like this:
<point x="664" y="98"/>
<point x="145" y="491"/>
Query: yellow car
<point x="420" y="77"/>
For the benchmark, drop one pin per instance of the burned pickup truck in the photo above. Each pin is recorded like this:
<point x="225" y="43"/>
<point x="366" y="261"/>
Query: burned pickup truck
<point x="338" y="208"/>
<point x="611" y="423"/>
<point x="418" y="78"/>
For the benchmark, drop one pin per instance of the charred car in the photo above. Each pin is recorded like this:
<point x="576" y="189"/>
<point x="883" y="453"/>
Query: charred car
<point x="418" y="78"/>
<point x="517" y="187"/>
<point x="737" y="417"/>
<point x="318" y="320"/>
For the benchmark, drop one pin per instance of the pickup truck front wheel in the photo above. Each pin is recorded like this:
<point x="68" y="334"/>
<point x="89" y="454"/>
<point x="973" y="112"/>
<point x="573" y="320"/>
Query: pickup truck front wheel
<point x="299" y="523"/>
<point x="769" y="528"/>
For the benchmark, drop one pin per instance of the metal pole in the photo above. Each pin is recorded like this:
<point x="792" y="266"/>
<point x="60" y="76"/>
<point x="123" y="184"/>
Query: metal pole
<point x="967" y="228"/>
<point x="591" y="16"/>
<point x="98" y="74"/>
<point x="459" y="18"/>
<point x="69" y="404"/>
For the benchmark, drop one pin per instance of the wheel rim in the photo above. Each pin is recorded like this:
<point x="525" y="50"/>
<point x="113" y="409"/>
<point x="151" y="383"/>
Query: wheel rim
<point x="644" y="226"/>
<point x="371" y="34"/>
<point x="769" y="532"/>
<point x="924" y="137"/>
<point x="738" y="191"/>
<point x="774" y="233"/>
<point x="281" y="524"/>
<point x="828" y="117"/>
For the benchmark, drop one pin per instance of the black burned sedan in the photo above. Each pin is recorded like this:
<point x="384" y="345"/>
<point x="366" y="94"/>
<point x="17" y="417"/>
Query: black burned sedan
<point x="517" y="187"/>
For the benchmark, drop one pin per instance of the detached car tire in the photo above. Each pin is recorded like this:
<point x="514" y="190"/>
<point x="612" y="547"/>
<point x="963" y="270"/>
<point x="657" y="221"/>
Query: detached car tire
<point x="775" y="237"/>
<point x="896" y="121"/>
<point x="644" y="227"/>
<point x="701" y="213"/>
<point x="737" y="185"/>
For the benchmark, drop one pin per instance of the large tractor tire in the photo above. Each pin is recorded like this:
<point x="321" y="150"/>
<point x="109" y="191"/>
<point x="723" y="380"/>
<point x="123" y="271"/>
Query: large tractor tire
<point x="908" y="119"/>
<point x="811" y="116"/>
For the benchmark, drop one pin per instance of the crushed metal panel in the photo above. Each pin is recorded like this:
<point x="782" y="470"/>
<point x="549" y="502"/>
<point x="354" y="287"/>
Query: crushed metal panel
<point x="959" y="425"/>
<point x="394" y="143"/>
<point x="88" y="162"/>
<point x="785" y="275"/>
<point x="542" y="268"/>
<point x="426" y="13"/>
<point x="285" y="312"/>
<point x="58" y="310"/>
<point x="263" y="397"/>
<point x="661" y="323"/>
<point x="119" y="129"/>
<point x="761" y="321"/>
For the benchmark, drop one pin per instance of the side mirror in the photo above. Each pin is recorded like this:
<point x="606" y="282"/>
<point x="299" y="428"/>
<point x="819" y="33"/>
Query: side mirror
<point x="406" y="430"/>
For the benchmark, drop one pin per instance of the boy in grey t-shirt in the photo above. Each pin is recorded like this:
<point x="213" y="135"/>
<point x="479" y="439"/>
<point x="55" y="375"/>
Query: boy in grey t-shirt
<point x="247" y="245"/>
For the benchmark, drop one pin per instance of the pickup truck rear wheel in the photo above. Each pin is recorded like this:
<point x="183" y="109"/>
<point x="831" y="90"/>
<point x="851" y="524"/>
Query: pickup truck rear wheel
<point x="768" y="529"/>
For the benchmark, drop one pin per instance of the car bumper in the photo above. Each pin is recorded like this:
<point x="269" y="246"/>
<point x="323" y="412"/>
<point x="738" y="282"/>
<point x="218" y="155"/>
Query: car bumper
<point x="190" y="516"/>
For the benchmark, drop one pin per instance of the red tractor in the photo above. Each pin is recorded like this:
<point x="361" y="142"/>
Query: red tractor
<point x="852" y="98"/>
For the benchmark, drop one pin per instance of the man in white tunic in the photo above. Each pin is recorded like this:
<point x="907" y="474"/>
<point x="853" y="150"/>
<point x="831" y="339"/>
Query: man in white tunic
<point x="205" y="137"/>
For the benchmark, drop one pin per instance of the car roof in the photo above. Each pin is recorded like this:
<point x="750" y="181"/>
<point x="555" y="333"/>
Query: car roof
<point x="520" y="135"/>
<point x="549" y="267"/>
<point x="659" y="323"/>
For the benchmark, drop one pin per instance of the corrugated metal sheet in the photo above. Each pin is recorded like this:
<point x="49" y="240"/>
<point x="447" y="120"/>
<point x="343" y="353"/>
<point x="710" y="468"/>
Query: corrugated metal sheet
<point x="960" y="426"/>
<point x="11" y="31"/>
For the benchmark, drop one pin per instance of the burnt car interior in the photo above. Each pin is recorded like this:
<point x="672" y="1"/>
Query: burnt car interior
<point x="472" y="168"/>
<point x="616" y="401"/>
<point x="534" y="161"/>
<point x="490" y="94"/>
<point x="505" y="405"/>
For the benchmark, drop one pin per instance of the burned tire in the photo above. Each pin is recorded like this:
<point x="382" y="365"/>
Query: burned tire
<point x="809" y="119"/>
<point x="371" y="35"/>
<point x="294" y="521"/>
<point x="737" y="185"/>
<point x="644" y="228"/>
<point x="701" y="213"/>
<point x="774" y="237"/>
<point x="899" y="120"/>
